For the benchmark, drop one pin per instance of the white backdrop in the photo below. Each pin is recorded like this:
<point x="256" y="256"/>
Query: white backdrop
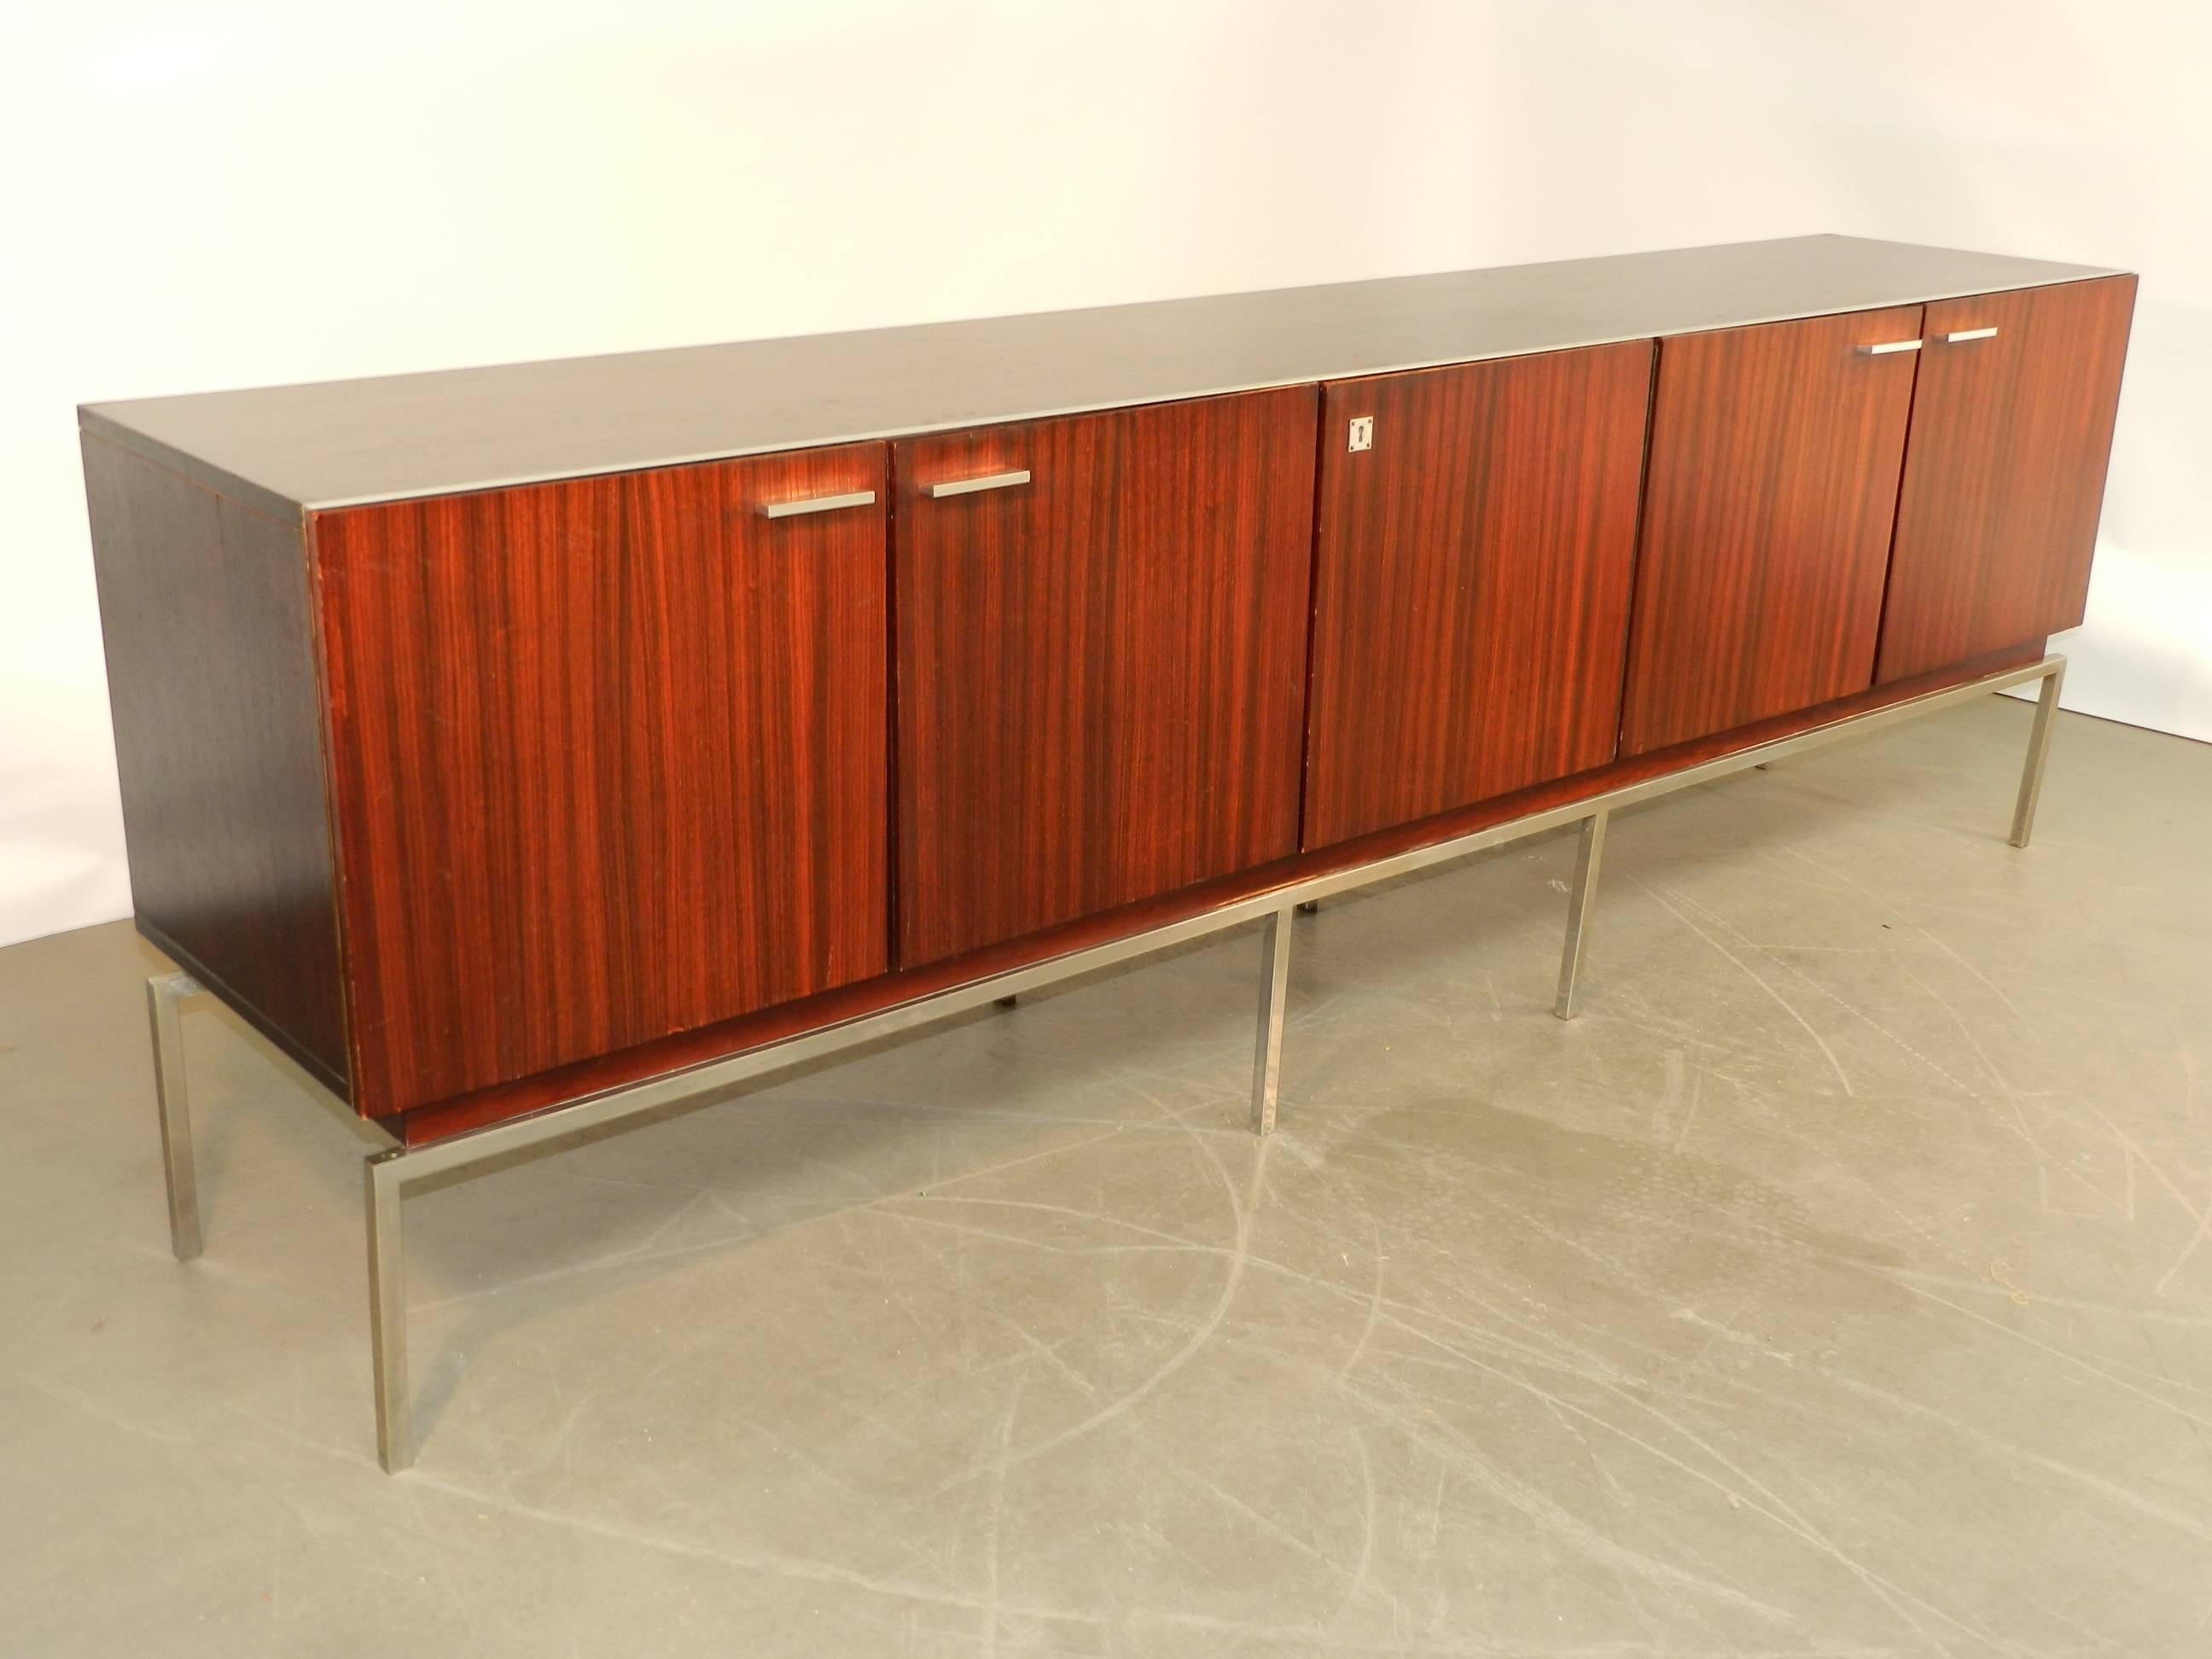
<point x="230" y="194"/>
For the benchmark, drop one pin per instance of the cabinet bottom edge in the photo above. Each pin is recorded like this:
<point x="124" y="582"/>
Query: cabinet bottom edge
<point x="319" y="1069"/>
<point x="438" y="1121"/>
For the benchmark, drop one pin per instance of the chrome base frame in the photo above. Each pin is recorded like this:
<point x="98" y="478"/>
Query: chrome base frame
<point x="165" y="996"/>
<point x="1589" y="853"/>
<point x="389" y="1173"/>
<point x="2038" y="751"/>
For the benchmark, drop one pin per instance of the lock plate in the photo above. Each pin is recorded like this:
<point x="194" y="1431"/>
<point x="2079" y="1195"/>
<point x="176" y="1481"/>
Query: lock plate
<point x="1363" y="432"/>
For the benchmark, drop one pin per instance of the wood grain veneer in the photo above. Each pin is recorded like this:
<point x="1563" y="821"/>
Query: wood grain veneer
<point x="1768" y="502"/>
<point x="203" y="607"/>
<point x="478" y="793"/>
<point x="610" y="761"/>
<point x="2004" y="476"/>
<point x="852" y="1001"/>
<point x="1471" y="585"/>
<point x="1101" y="673"/>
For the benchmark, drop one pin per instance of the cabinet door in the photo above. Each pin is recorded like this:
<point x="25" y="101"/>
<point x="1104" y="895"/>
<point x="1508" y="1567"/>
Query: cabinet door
<point x="1471" y="580"/>
<point x="610" y="759"/>
<point x="1102" y="666"/>
<point x="1767" y="510"/>
<point x="2012" y="427"/>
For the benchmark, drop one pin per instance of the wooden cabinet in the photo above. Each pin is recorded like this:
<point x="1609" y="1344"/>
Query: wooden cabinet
<point x="1100" y="665"/>
<point x="1769" y="498"/>
<point x="476" y="794"/>
<point x="608" y="761"/>
<point x="2012" y="427"/>
<point x="567" y="740"/>
<point x="1472" y="563"/>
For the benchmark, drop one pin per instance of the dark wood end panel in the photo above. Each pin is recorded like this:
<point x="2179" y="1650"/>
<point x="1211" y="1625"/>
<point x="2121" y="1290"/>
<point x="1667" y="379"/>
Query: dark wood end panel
<point x="205" y="609"/>
<point x="609" y="761"/>
<point x="1100" y="673"/>
<point x="1767" y="511"/>
<point x="1471" y="582"/>
<point x="1996" y="519"/>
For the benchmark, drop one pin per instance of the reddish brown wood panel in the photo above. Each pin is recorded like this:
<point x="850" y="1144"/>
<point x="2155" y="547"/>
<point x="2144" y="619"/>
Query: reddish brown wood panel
<point x="1768" y="504"/>
<point x="2004" y="476"/>
<point x="552" y="1089"/>
<point x="1471" y="582"/>
<point x="609" y="761"/>
<point x="1101" y="673"/>
<point x="219" y="746"/>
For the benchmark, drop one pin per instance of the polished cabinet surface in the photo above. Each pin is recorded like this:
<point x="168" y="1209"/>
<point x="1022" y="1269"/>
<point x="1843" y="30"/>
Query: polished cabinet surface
<point x="349" y="442"/>
<point x="496" y="738"/>
<point x="1770" y="491"/>
<point x="1101" y="660"/>
<point x="609" y="760"/>
<point x="2012" y="427"/>
<point x="1472" y="563"/>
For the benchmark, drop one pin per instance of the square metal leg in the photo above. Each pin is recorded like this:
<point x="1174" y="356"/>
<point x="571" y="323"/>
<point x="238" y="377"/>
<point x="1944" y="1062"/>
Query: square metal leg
<point x="164" y="991"/>
<point x="2038" y="751"/>
<point x="1274" y="992"/>
<point x="387" y="1312"/>
<point x="1588" y="856"/>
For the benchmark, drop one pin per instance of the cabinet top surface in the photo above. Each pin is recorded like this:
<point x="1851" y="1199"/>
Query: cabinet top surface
<point x="295" y="448"/>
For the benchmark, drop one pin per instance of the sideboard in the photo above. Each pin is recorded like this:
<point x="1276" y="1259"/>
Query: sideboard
<point x="520" y="749"/>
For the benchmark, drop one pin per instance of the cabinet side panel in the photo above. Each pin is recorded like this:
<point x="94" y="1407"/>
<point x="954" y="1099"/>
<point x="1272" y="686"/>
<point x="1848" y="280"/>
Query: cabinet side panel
<point x="2012" y="429"/>
<point x="1472" y="575"/>
<point x="203" y="607"/>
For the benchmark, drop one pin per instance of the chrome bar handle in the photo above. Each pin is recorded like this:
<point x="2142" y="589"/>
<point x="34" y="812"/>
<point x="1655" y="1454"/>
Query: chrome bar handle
<point x="1888" y="346"/>
<point x="988" y="481"/>
<point x="817" y="504"/>
<point x="1957" y="335"/>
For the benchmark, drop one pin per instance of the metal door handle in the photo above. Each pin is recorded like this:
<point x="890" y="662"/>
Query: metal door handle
<point x="1958" y="334"/>
<point x="1888" y="346"/>
<point x="988" y="481"/>
<point x="817" y="504"/>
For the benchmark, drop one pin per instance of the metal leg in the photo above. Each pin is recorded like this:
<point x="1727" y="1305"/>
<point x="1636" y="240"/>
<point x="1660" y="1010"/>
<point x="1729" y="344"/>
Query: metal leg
<point x="1587" y="858"/>
<point x="387" y="1312"/>
<point x="1274" y="990"/>
<point x="2039" y="750"/>
<point x="163" y="993"/>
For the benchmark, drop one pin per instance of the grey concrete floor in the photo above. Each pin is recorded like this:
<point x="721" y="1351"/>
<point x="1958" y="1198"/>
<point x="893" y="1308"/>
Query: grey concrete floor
<point x="1838" y="1283"/>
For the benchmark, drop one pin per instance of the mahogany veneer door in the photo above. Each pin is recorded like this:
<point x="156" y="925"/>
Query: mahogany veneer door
<point x="2005" y="475"/>
<point x="1100" y="673"/>
<point x="609" y="761"/>
<point x="1471" y="582"/>
<point x="1768" y="503"/>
